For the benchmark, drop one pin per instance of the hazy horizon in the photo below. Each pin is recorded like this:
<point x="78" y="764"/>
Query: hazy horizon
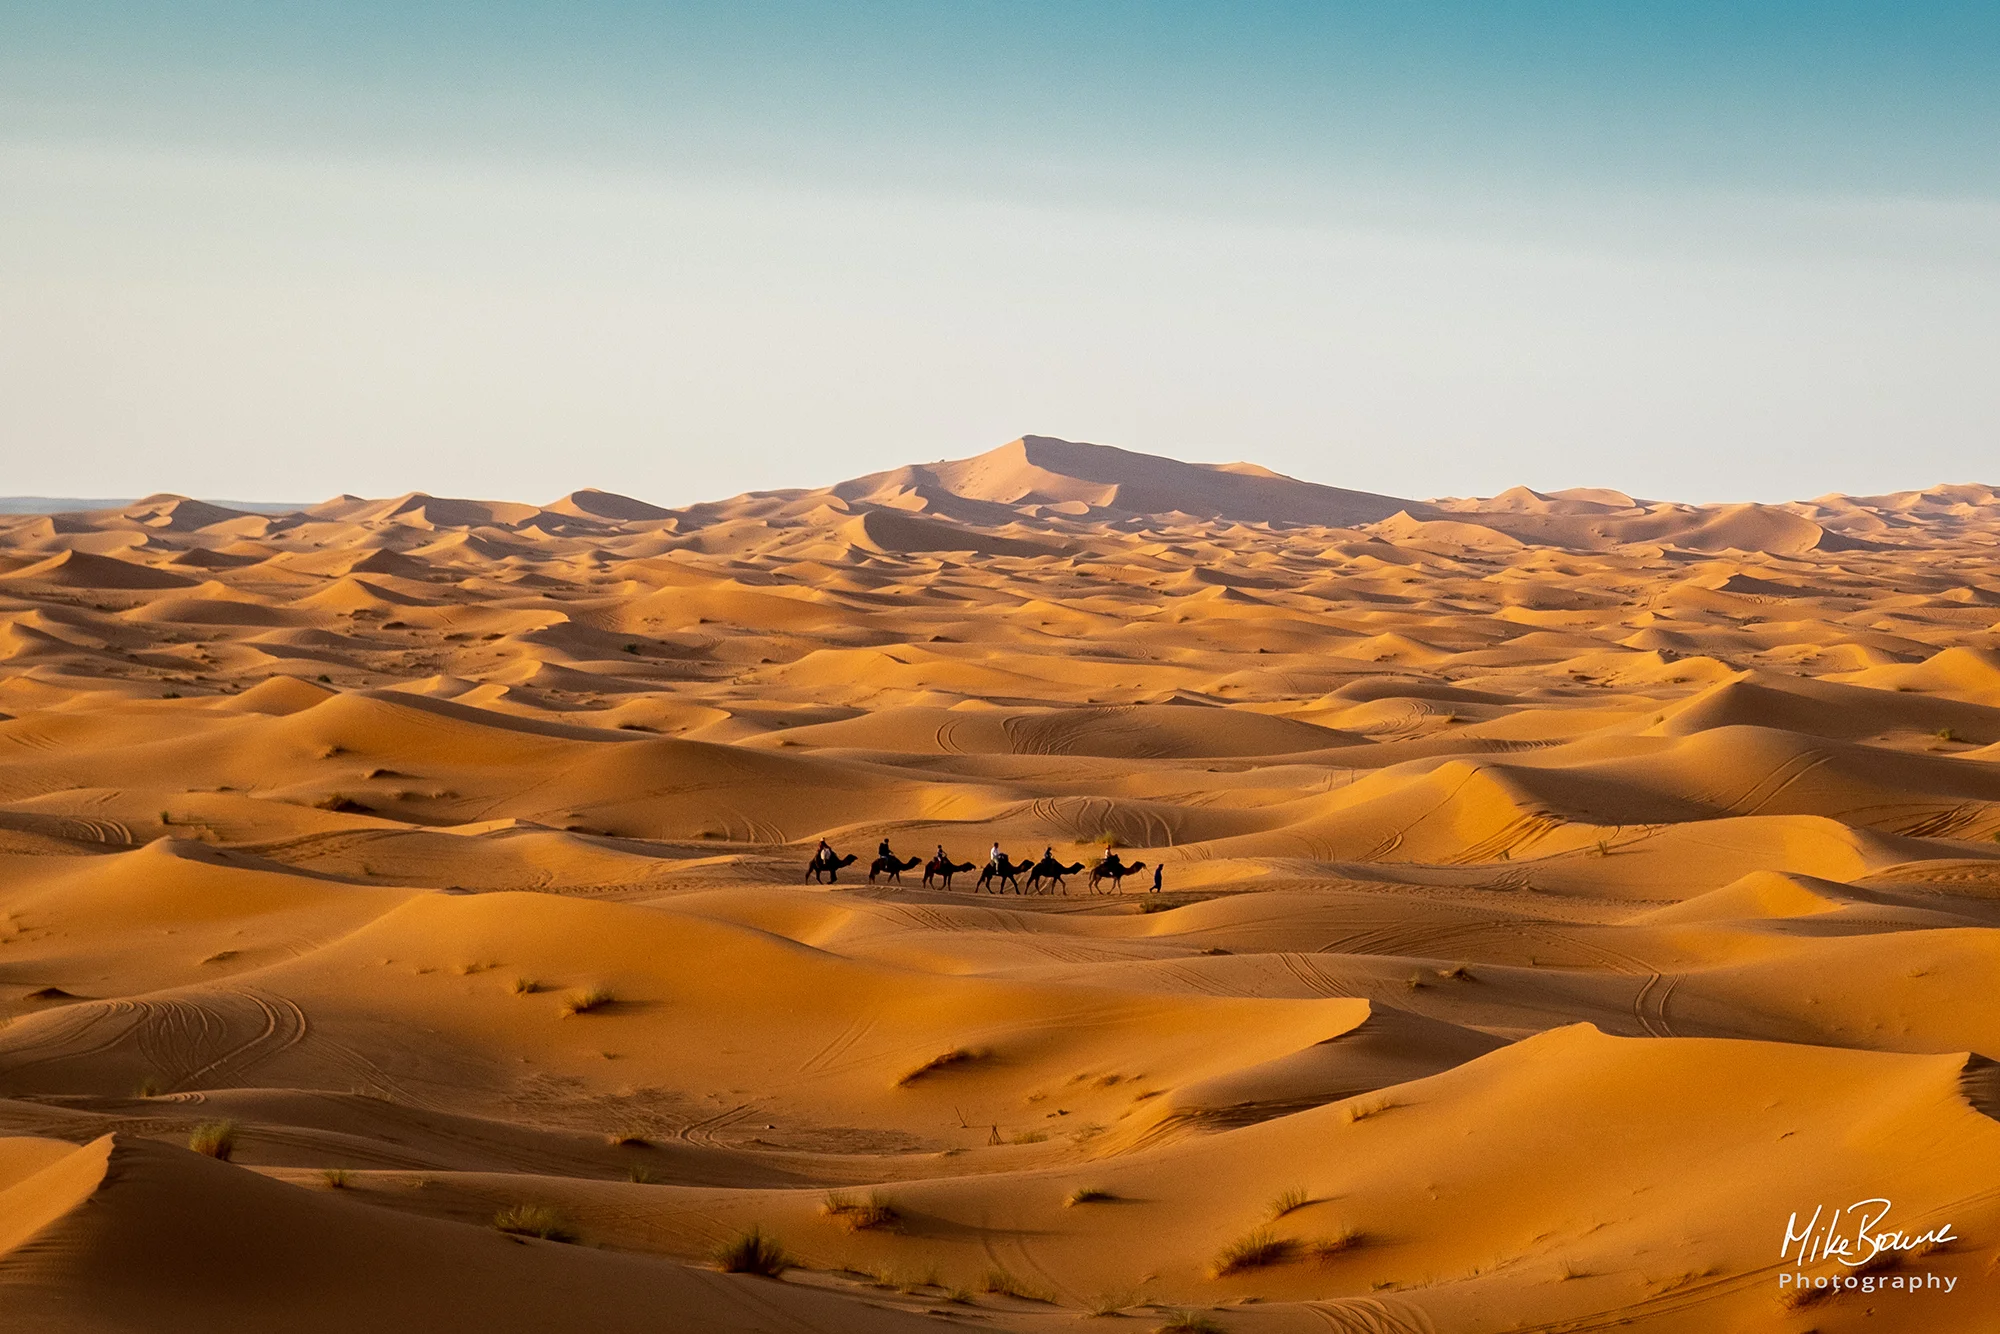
<point x="686" y="253"/>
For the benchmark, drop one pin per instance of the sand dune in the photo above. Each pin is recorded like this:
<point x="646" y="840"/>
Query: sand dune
<point x="1560" y="889"/>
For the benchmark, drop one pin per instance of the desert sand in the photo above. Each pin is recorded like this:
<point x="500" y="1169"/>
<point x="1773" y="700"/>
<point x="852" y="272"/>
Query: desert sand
<point x="1559" y="891"/>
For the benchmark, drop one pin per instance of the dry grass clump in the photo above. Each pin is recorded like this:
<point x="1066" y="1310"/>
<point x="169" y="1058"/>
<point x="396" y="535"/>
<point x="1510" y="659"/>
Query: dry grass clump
<point x="752" y="1253"/>
<point x="861" y="1215"/>
<point x="1028" y="1137"/>
<point x="1006" y="1285"/>
<point x="1322" y="1250"/>
<point x="1362" y="1108"/>
<point x="1088" y="1195"/>
<point x="583" y="1002"/>
<point x="1256" y="1250"/>
<point x="526" y="986"/>
<point x="217" y="1139"/>
<point x="335" y="1178"/>
<point x="1188" y="1322"/>
<point x="944" y="1061"/>
<point x="1458" y="972"/>
<point x="1288" y="1200"/>
<point x="628" y="1137"/>
<point x="534" y="1220"/>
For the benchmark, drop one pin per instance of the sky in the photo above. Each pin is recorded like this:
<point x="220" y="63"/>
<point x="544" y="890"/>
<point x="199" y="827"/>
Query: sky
<point x="1698" y="251"/>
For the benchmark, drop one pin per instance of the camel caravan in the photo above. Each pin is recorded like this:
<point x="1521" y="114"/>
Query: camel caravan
<point x="1002" y="873"/>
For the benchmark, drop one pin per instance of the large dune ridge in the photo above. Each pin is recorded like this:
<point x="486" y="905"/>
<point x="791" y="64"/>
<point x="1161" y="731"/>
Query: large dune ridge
<point x="1559" y="892"/>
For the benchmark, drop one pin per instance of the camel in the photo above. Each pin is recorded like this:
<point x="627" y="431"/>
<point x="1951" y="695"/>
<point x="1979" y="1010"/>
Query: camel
<point x="1051" y="870"/>
<point x="892" y="868"/>
<point x="828" y="866"/>
<point x="943" y="868"/>
<point x="1113" y="870"/>
<point x="1006" y="871"/>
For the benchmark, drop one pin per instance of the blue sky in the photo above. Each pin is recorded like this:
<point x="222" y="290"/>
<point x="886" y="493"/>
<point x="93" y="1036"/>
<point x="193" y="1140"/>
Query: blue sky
<point x="1701" y="251"/>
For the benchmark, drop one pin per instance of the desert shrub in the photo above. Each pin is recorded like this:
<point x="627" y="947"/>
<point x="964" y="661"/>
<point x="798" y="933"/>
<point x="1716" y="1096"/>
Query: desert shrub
<point x="1255" y="1250"/>
<point x="1088" y="1195"/>
<point x="1323" y="1249"/>
<point x="335" y="1178"/>
<point x="1001" y="1282"/>
<point x="752" y="1253"/>
<point x="860" y="1215"/>
<point x="1285" y="1201"/>
<point x="1362" y="1108"/>
<point x="217" y="1139"/>
<point x="1188" y="1322"/>
<point x="534" y="1220"/>
<point x="943" y="1061"/>
<point x="583" y="1002"/>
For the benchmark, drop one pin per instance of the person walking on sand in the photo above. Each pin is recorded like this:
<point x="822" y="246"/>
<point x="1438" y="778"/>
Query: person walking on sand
<point x="1156" y="877"/>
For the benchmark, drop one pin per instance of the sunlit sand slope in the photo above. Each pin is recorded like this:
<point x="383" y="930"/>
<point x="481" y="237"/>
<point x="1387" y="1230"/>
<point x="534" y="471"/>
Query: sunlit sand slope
<point x="1557" y="892"/>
